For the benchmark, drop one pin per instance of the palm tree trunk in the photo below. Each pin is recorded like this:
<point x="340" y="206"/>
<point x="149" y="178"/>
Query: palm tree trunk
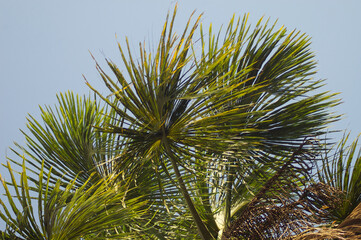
<point x="202" y="229"/>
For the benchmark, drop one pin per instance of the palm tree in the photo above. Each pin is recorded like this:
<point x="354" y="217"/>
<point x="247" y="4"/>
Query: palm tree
<point x="209" y="122"/>
<point x="198" y="135"/>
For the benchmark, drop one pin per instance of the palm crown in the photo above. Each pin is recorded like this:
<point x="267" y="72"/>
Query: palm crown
<point x="194" y="134"/>
<point x="242" y="104"/>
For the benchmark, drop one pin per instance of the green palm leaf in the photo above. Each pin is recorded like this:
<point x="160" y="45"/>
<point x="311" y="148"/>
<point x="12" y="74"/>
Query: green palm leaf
<point x="341" y="169"/>
<point x="68" y="143"/>
<point x="88" y="212"/>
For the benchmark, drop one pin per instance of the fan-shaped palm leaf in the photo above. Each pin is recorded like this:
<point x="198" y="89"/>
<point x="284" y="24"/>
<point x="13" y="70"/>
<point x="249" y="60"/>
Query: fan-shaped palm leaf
<point x="87" y="212"/>
<point x="68" y="143"/>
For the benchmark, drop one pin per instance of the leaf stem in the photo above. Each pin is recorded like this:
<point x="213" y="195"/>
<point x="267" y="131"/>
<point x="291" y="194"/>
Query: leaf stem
<point x="202" y="229"/>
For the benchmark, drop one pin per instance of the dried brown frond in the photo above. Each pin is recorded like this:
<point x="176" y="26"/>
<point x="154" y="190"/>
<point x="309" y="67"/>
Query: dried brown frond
<point x="286" y="205"/>
<point x="330" y="233"/>
<point x="322" y="233"/>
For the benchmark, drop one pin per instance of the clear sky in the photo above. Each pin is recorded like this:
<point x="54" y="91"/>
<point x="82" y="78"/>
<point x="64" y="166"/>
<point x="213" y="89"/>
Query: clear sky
<point x="44" y="46"/>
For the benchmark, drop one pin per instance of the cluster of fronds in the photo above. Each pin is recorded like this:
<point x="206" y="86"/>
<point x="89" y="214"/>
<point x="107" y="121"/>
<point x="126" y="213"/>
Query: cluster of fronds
<point x="349" y="229"/>
<point x="206" y="144"/>
<point x="286" y="205"/>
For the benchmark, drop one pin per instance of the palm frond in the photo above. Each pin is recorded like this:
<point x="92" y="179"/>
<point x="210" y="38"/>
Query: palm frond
<point x="53" y="212"/>
<point x="341" y="169"/>
<point x="287" y="203"/>
<point x="66" y="140"/>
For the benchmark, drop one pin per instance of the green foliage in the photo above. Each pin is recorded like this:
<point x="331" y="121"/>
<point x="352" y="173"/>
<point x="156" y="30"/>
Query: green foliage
<point x="67" y="142"/>
<point x="190" y="137"/>
<point x="211" y="123"/>
<point x="341" y="169"/>
<point x="87" y="212"/>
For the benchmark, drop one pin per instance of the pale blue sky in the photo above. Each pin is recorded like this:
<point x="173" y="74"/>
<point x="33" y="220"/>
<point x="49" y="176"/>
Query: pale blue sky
<point x="44" y="46"/>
